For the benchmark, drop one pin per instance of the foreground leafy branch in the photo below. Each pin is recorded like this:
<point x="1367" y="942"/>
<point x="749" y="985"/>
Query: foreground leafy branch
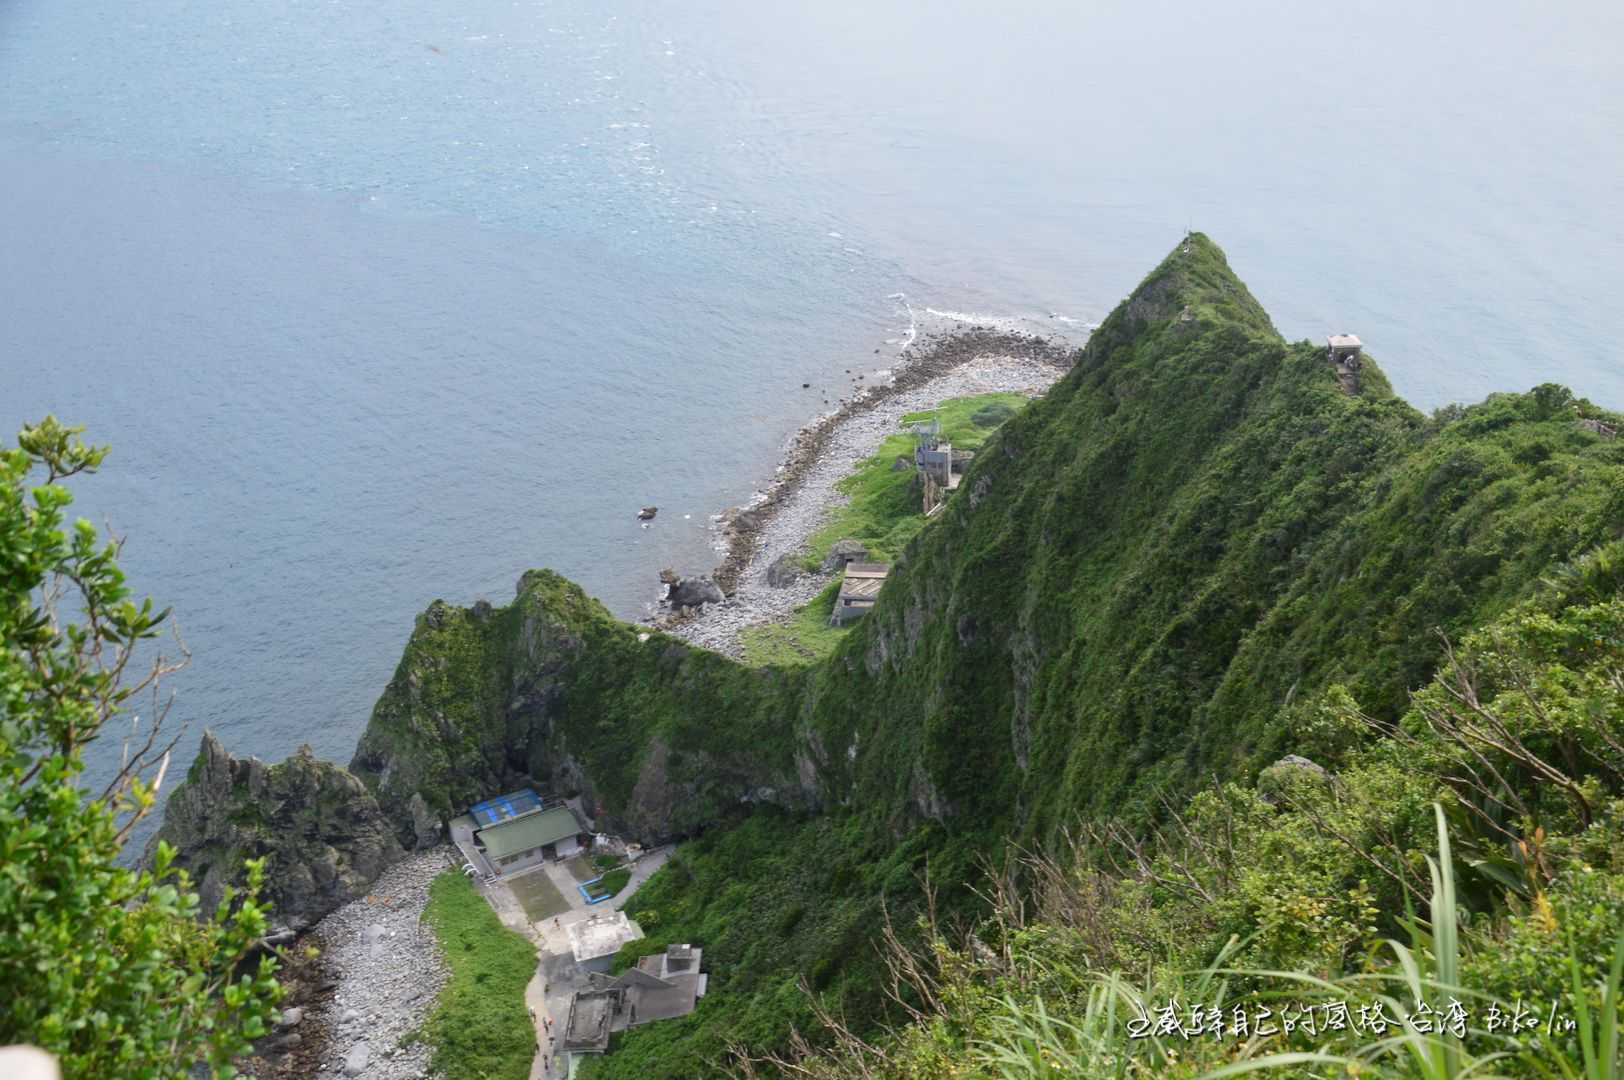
<point x="108" y="967"/>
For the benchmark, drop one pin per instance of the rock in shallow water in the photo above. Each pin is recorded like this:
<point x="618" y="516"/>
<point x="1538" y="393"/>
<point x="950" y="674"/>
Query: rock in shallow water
<point x="692" y="592"/>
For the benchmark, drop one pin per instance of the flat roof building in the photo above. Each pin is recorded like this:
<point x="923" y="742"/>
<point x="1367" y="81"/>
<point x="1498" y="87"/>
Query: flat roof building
<point x="858" y="591"/>
<point x="596" y="939"/>
<point x="1343" y="350"/>
<point x="661" y="987"/>
<point x="593" y="1015"/>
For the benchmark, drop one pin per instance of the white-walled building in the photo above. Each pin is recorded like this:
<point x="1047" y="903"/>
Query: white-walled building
<point x="516" y="831"/>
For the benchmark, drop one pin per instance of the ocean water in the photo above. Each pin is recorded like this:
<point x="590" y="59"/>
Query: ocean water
<point x="378" y="304"/>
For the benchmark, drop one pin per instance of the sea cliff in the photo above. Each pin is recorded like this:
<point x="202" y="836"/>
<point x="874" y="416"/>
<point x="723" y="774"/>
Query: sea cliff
<point x="1154" y="578"/>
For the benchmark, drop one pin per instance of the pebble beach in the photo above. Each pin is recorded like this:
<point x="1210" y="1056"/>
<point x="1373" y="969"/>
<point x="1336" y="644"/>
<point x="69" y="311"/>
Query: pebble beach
<point x="783" y="516"/>
<point x="371" y="984"/>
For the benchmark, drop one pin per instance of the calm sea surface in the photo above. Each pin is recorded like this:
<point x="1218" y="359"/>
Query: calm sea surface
<point x="383" y="303"/>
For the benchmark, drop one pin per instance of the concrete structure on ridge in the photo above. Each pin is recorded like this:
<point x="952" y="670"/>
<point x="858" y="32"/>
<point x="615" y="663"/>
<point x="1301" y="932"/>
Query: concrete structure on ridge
<point x="858" y="591"/>
<point x="1343" y="350"/>
<point x="940" y="466"/>
<point x="513" y="832"/>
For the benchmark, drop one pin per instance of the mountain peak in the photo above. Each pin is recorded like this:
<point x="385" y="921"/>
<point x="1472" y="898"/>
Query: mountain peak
<point x="1192" y="285"/>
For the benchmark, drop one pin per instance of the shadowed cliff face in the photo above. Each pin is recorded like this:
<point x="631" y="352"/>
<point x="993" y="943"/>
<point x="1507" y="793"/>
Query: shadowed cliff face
<point x="323" y="836"/>
<point x="660" y="738"/>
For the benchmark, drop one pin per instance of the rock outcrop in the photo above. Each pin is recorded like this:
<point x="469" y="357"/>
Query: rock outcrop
<point x="322" y="833"/>
<point x="692" y="592"/>
<point x="552" y="692"/>
<point x="843" y="552"/>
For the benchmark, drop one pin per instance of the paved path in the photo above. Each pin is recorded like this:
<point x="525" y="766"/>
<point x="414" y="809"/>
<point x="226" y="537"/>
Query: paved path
<point x="641" y="870"/>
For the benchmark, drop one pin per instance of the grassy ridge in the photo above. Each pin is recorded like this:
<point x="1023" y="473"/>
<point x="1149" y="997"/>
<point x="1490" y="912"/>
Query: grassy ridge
<point x="1160" y="574"/>
<point x="479" y="1029"/>
<point x="486" y="699"/>
<point x="1153" y="576"/>
<point x="1183" y="543"/>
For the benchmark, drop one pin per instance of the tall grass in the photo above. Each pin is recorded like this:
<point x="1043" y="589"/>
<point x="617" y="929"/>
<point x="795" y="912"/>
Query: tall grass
<point x="1031" y="1039"/>
<point x="1430" y="966"/>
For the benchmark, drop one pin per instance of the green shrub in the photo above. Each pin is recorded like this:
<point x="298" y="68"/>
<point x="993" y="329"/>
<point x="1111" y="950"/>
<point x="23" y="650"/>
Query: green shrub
<point x="111" y="968"/>
<point x="990" y="416"/>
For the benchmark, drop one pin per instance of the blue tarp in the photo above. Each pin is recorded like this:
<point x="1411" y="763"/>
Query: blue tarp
<point x="506" y="806"/>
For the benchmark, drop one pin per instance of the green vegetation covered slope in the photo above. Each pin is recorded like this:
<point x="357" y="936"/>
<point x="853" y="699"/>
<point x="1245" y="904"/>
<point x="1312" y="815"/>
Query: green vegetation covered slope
<point x="659" y="736"/>
<point x="105" y="967"/>
<point x="1149" y="579"/>
<point x="1193" y="531"/>
<point x="480" y="1029"/>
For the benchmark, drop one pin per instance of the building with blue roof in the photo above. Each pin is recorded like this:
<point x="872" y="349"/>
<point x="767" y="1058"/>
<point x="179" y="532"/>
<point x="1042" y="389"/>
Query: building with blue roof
<point x="509" y="833"/>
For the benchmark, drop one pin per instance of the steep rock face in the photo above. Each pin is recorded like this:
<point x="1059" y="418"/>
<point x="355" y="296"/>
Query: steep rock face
<point x="323" y="835"/>
<point x="1163" y="563"/>
<point x="1147" y="577"/>
<point x="659" y="737"/>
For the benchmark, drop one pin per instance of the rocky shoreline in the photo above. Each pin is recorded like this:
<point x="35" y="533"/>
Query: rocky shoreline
<point x="782" y="518"/>
<point x="353" y="1005"/>
<point x="366" y="976"/>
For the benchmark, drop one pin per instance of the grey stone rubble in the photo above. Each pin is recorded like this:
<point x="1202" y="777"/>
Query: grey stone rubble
<point x="754" y="600"/>
<point x="389" y="971"/>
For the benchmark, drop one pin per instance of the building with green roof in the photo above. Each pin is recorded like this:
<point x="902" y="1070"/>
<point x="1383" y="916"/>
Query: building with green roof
<point x="516" y="831"/>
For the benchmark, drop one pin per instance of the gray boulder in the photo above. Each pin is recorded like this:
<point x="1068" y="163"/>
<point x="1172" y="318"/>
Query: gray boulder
<point x="785" y="570"/>
<point x="1278" y="781"/>
<point x="284" y="1043"/>
<point x="355" y="1062"/>
<point x="692" y="592"/>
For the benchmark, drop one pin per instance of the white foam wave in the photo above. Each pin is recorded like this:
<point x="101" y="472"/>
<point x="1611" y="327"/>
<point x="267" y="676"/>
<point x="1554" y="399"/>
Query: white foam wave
<point x="913" y="322"/>
<point x="968" y="316"/>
